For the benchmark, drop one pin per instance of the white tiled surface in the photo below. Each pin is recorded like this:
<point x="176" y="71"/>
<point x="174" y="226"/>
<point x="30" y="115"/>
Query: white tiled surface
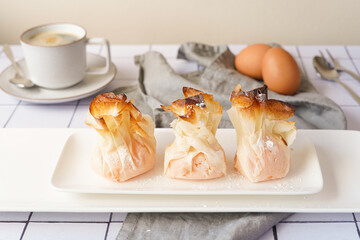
<point x="336" y="92"/>
<point x="70" y="217"/>
<point x="38" y="116"/>
<point x="7" y="100"/>
<point x="79" y="116"/>
<point x="311" y="51"/>
<point x="14" y="216"/>
<point x="6" y="112"/>
<point x="113" y="230"/>
<point x="357" y="65"/>
<point x="235" y="49"/>
<point x="127" y="51"/>
<point x="328" y="231"/>
<point x="125" y="68"/>
<point x="354" y="51"/>
<point x="65" y="231"/>
<point x="17" y="114"/>
<point x="169" y="51"/>
<point x="320" y="217"/>
<point x="118" y="217"/>
<point x="11" y="231"/>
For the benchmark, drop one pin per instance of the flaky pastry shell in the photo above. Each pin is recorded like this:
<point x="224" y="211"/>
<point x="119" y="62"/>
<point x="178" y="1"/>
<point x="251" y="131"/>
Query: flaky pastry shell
<point x="126" y="147"/>
<point x="195" y="152"/>
<point x="263" y="134"/>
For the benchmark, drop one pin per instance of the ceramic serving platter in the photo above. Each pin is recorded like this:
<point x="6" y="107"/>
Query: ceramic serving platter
<point x="29" y="158"/>
<point x="74" y="174"/>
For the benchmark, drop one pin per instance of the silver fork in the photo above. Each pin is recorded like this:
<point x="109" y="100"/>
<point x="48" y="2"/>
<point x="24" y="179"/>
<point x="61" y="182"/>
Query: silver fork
<point x="327" y="72"/>
<point x="324" y="61"/>
<point x="340" y="68"/>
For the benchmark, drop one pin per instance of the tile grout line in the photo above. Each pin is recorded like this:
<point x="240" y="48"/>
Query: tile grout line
<point x="351" y="59"/>
<point x="275" y="233"/>
<point x="25" y="227"/>
<point x="68" y="222"/>
<point x="108" y="225"/>
<point x="336" y="221"/>
<point x="72" y="116"/>
<point x="53" y="104"/>
<point x="356" y="224"/>
<point x="13" y="221"/>
<point x="302" y="64"/>
<point x="11" y="115"/>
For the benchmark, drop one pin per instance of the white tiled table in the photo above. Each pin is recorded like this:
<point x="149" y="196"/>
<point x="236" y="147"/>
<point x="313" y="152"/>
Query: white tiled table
<point x="38" y="225"/>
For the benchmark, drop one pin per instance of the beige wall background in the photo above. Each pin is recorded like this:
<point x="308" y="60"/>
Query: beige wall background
<point x="208" y="21"/>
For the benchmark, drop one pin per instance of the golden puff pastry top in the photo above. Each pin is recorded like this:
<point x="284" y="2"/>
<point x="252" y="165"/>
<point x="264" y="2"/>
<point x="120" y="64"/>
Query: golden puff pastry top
<point x="197" y="106"/>
<point x="109" y="104"/>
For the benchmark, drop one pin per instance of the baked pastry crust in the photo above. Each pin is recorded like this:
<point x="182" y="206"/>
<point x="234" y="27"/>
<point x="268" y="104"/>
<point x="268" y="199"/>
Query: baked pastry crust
<point x="263" y="134"/>
<point x="195" y="153"/>
<point x="126" y="147"/>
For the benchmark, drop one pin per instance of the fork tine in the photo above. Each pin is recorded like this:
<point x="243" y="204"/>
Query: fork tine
<point x="335" y="62"/>
<point x="325" y="60"/>
<point x="322" y="55"/>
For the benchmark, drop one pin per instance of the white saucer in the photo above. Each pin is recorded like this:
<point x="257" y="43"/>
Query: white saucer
<point x="88" y="86"/>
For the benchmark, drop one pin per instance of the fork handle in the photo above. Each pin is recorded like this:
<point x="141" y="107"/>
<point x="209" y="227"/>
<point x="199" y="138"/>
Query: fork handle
<point x="352" y="93"/>
<point x="352" y="74"/>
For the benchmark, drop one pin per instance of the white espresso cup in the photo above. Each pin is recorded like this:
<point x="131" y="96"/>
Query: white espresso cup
<point x="55" y="54"/>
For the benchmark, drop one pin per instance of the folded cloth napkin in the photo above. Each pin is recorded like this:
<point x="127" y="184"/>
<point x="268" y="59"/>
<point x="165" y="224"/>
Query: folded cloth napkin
<point x="214" y="226"/>
<point x="160" y="84"/>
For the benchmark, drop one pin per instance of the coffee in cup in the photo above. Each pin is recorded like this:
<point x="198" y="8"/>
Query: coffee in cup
<point x="53" y="38"/>
<point x="55" y="54"/>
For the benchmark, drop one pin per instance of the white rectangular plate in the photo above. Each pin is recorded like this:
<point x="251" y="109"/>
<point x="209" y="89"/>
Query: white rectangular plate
<point x="74" y="174"/>
<point x="29" y="156"/>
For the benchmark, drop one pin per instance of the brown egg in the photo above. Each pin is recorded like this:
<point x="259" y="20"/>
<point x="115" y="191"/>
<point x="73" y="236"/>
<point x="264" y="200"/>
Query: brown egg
<point x="280" y="71"/>
<point x="249" y="60"/>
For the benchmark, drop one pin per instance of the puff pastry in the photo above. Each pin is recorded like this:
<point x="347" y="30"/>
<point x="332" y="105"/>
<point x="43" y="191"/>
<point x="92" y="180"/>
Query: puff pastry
<point x="263" y="134"/>
<point x="195" y="153"/>
<point x="126" y="147"/>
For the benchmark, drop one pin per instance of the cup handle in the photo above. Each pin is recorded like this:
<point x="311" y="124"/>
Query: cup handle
<point x="104" y="42"/>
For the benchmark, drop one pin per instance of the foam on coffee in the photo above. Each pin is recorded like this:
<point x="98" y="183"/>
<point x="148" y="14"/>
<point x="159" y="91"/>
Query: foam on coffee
<point x="52" y="38"/>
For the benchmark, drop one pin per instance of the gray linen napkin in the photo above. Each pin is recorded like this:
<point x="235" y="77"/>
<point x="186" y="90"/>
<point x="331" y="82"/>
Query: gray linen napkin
<point x="160" y="84"/>
<point x="195" y="226"/>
